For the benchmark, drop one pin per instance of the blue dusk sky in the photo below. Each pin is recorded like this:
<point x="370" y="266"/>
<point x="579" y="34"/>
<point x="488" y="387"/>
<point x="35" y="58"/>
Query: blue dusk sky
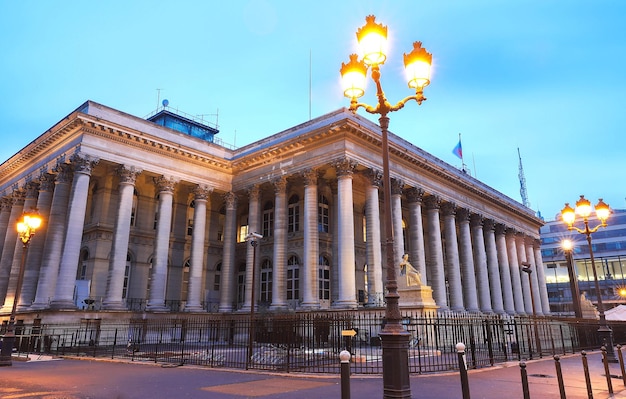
<point x="547" y="77"/>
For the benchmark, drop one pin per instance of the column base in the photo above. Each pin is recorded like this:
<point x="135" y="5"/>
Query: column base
<point x="113" y="305"/>
<point x="193" y="308"/>
<point x="63" y="304"/>
<point x="40" y="306"/>
<point x="345" y="304"/>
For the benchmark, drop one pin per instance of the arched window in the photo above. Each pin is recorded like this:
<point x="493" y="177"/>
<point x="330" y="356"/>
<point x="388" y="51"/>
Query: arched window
<point x="324" y="280"/>
<point x="405" y="234"/>
<point x="266" y="281"/>
<point x="185" y="288"/>
<point x="217" y="277"/>
<point x="220" y="224"/>
<point x="126" y="276"/>
<point x="293" y="214"/>
<point x="241" y="283"/>
<point x="133" y="211"/>
<point x="293" y="278"/>
<point x="268" y="219"/>
<point x="323" y="214"/>
<point x="190" y="212"/>
<point x="82" y="267"/>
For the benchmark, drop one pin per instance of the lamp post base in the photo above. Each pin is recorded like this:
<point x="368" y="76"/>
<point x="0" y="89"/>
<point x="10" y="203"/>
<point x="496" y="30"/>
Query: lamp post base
<point x="396" y="383"/>
<point x="606" y="339"/>
<point x="7" y="349"/>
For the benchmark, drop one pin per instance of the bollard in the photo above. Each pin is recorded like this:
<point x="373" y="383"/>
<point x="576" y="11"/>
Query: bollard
<point x="587" y="378"/>
<point x="559" y="376"/>
<point x="621" y="362"/>
<point x="607" y="372"/>
<point x="522" y="366"/>
<point x="344" y="356"/>
<point x="460" y="348"/>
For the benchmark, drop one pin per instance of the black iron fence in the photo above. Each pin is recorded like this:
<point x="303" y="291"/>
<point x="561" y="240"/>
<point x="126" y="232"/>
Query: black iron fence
<point x="311" y="342"/>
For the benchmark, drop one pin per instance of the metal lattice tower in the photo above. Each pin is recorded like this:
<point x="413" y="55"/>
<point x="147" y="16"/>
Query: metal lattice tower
<point x="522" y="182"/>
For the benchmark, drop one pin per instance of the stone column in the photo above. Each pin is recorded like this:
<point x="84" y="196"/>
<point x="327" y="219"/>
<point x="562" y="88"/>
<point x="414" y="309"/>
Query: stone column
<point x="398" y="233"/>
<point x="345" y="235"/>
<point x="480" y="263"/>
<point x="227" y="288"/>
<point x="310" y="279"/>
<point x="10" y="243"/>
<point x="493" y="268"/>
<point x="114" y="299"/>
<point x="545" y="304"/>
<point x="201" y="194"/>
<point x="452" y="266"/>
<point x="530" y="258"/>
<point x="417" y="251"/>
<point x="470" y="296"/>
<point x="376" y="289"/>
<point x="30" y="202"/>
<point x="35" y="248"/>
<point x="158" y="281"/>
<point x="279" y="282"/>
<point x="55" y="235"/>
<point x="5" y="214"/>
<point x="505" y="270"/>
<point x="64" y="292"/>
<point x="514" y="267"/>
<point x="252" y="268"/>
<point x="521" y="257"/>
<point x="435" y="253"/>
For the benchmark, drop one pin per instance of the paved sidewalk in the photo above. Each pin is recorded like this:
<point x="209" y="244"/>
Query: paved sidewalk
<point x="47" y="378"/>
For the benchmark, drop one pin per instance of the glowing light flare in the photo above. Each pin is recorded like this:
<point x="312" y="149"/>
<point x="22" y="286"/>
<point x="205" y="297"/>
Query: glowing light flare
<point x="28" y="225"/>
<point x="417" y="66"/>
<point x="602" y="211"/>
<point x="567" y="245"/>
<point x="583" y="207"/>
<point x="568" y="215"/>
<point x="353" y="77"/>
<point x="372" y="38"/>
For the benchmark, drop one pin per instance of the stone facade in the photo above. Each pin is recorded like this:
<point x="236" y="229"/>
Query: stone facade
<point x="142" y="217"/>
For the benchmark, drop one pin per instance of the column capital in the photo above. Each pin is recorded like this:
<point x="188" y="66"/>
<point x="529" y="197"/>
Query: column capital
<point x="128" y="174"/>
<point x="448" y="208"/>
<point x="476" y="220"/>
<point x="463" y="215"/>
<point x="310" y="177"/>
<point x="165" y="184"/>
<point x="432" y="202"/>
<point x="414" y="194"/>
<point x="83" y="163"/>
<point x="345" y="167"/>
<point x="46" y="181"/>
<point x="201" y="192"/>
<point x="500" y="229"/>
<point x="396" y="186"/>
<point x="280" y="185"/>
<point x="64" y="173"/>
<point x="489" y="225"/>
<point x="375" y="177"/>
<point x="5" y="204"/>
<point x="510" y="231"/>
<point x="32" y="189"/>
<point x="18" y="197"/>
<point x="254" y="193"/>
<point x="231" y="200"/>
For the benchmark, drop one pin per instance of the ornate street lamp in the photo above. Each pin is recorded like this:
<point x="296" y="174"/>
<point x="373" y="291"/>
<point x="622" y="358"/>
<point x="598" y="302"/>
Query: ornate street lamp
<point x="568" y="249"/>
<point x="602" y="212"/>
<point x="372" y="40"/>
<point x="253" y="239"/>
<point x="26" y="228"/>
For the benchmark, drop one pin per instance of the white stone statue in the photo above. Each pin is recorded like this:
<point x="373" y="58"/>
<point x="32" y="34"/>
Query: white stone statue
<point x="413" y="277"/>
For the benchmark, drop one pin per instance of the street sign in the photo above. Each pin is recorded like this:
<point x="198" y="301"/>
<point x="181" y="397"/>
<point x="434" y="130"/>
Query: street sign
<point x="348" y="333"/>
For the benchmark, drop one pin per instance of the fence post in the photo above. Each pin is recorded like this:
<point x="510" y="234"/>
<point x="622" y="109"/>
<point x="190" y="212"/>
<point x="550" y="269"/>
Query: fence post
<point x="559" y="376"/>
<point x="344" y="357"/>
<point x="524" y="373"/>
<point x="460" y="347"/>
<point x="621" y="362"/>
<point x="607" y="372"/>
<point x="587" y="378"/>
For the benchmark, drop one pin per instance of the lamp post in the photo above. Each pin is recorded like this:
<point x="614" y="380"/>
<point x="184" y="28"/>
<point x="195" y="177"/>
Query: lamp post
<point x="602" y="211"/>
<point x="372" y="38"/>
<point x="526" y="269"/>
<point x="253" y="239"/>
<point x="26" y="228"/>
<point x="568" y="249"/>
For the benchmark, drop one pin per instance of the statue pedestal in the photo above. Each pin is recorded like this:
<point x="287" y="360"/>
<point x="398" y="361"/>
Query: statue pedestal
<point x="417" y="297"/>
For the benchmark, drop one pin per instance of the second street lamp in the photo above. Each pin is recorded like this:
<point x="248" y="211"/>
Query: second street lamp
<point x="372" y="40"/>
<point x="26" y="228"/>
<point x="602" y="211"/>
<point x="568" y="249"/>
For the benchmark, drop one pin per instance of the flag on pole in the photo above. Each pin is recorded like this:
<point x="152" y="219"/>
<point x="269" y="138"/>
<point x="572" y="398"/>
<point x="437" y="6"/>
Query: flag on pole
<point x="458" y="150"/>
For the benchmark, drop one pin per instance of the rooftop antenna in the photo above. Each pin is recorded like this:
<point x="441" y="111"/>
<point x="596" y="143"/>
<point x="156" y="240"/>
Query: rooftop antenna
<point x="158" y="97"/>
<point x="522" y="182"/>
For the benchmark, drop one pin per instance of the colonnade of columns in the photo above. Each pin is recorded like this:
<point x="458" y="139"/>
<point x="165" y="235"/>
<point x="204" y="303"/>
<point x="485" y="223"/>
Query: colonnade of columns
<point x="472" y="263"/>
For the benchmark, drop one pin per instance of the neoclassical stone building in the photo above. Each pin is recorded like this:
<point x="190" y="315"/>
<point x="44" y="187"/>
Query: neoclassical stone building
<point x="153" y="215"/>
